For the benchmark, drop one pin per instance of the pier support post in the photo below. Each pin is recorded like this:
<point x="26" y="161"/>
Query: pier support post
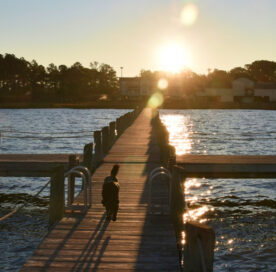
<point x="177" y="200"/>
<point x="98" y="147"/>
<point x="199" y="247"/>
<point x="56" y="208"/>
<point x="112" y="127"/>
<point x="128" y="119"/>
<point x="119" y="126"/>
<point x="172" y="157"/>
<point x="88" y="156"/>
<point x="105" y="138"/>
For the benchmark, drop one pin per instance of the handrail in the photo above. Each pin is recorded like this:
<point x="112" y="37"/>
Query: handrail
<point x="87" y="171"/>
<point x="159" y="168"/>
<point x="88" y="180"/>
<point x="158" y="171"/>
<point x="69" y="190"/>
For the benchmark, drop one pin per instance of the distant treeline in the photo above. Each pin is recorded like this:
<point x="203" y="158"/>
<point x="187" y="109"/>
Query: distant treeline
<point x="24" y="81"/>
<point x="258" y="71"/>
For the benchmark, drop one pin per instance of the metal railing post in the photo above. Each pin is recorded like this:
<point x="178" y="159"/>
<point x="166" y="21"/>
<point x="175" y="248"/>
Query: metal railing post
<point x="78" y="170"/>
<point x="159" y="171"/>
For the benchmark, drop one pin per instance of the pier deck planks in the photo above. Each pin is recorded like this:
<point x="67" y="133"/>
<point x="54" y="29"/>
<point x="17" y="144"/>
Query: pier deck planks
<point x="137" y="241"/>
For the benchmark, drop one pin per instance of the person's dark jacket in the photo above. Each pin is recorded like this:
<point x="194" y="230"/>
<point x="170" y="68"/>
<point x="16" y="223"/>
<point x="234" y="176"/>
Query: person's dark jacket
<point x="110" y="192"/>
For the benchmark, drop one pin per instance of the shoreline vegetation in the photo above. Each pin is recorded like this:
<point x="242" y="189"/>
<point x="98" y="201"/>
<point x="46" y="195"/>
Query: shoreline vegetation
<point x="133" y="105"/>
<point x="27" y="84"/>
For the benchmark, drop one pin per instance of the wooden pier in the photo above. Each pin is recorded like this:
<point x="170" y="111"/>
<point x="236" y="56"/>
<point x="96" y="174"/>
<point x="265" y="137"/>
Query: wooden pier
<point x="137" y="241"/>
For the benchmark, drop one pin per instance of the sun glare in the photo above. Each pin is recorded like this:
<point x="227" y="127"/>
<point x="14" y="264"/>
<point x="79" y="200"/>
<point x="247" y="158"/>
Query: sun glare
<point x="173" y="57"/>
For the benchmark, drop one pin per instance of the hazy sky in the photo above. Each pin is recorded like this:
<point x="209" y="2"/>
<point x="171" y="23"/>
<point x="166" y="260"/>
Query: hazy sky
<point x="129" y="33"/>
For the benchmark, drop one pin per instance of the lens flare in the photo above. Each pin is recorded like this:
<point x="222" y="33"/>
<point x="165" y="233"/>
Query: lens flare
<point x="189" y="14"/>
<point x="156" y="100"/>
<point x="162" y="84"/>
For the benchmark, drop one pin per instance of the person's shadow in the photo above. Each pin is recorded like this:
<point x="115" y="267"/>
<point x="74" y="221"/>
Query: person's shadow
<point x="94" y="248"/>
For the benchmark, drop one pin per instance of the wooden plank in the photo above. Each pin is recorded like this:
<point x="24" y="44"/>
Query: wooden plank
<point x="32" y="165"/>
<point x="226" y="159"/>
<point x="224" y="166"/>
<point x="54" y="158"/>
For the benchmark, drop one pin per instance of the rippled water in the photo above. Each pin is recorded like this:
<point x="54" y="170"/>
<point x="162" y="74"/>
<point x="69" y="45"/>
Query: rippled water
<point x="37" y="131"/>
<point x="241" y="211"/>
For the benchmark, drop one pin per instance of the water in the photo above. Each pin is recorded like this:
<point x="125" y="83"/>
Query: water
<point x="242" y="212"/>
<point x="38" y="131"/>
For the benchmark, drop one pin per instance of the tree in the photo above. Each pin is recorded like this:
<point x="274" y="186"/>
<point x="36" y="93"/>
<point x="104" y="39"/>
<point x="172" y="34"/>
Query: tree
<point x="238" y="72"/>
<point x="219" y="79"/>
<point x="262" y="70"/>
<point x="13" y="74"/>
<point x="108" y="80"/>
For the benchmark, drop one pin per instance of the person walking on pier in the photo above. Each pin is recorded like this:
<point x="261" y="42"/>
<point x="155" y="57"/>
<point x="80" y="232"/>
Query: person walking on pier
<point x="110" y="194"/>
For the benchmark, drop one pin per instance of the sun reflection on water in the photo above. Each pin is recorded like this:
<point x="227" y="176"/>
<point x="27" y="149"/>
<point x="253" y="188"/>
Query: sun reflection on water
<point x="180" y="130"/>
<point x="194" y="211"/>
<point x="196" y="214"/>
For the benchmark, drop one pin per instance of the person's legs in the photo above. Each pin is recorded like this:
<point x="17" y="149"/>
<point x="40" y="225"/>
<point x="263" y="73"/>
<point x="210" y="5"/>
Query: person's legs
<point x="114" y="211"/>
<point x="108" y="211"/>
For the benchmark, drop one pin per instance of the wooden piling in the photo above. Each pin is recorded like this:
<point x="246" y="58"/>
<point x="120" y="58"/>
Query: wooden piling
<point x="98" y="147"/>
<point x="56" y="208"/>
<point x="112" y="136"/>
<point x="105" y="139"/>
<point x="119" y="126"/>
<point x="199" y="247"/>
<point x="177" y="200"/>
<point x="88" y="156"/>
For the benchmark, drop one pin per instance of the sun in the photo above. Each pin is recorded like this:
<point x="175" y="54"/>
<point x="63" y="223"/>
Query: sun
<point x="173" y="57"/>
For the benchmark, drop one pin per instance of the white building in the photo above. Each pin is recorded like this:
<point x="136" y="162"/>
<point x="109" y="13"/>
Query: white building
<point x="130" y="86"/>
<point x="135" y="87"/>
<point x="243" y="90"/>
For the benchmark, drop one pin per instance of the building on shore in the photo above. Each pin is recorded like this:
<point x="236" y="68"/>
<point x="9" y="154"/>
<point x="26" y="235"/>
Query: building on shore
<point x="130" y="87"/>
<point x="243" y="90"/>
<point x="137" y="87"/>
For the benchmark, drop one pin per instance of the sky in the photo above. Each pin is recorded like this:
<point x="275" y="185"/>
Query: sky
<point x="140" y="34"/>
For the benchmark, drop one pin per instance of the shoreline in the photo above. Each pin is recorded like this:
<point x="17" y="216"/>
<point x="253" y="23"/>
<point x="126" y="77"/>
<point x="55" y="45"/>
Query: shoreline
<point x="132" y="105"/>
